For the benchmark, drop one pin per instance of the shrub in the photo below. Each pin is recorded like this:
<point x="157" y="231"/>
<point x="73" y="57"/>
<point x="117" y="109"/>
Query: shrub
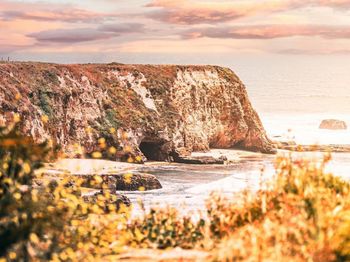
<point x="165" y="228"/>
<point x="44" y="103"/>
<point x="51" y="221"/>
<point x="303" y="214"/>
<point x="22" y="215"/>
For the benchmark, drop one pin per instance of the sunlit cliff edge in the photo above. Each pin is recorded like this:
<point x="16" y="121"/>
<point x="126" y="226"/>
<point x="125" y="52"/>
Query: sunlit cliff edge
<point x="158" y="111"/>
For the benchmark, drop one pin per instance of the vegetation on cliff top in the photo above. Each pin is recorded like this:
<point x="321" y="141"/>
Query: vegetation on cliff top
<point x="303" y="214"/>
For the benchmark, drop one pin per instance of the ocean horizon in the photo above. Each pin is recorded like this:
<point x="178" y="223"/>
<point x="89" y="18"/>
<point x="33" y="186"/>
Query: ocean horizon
<point x="292" y="95"/>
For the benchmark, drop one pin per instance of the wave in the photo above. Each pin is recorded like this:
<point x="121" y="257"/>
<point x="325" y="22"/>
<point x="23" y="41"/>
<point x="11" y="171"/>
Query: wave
<point x="340" y="96"/>
<point x="289" y="96"/>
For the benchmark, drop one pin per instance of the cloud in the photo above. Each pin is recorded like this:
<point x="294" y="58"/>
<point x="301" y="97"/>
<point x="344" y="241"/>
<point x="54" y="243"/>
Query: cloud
<point x="189" y="12"/>
<point x="49" y="12"/>
<point x="70" y="16"/>
<point x="70" y="35"/>
<point x="205" y="12"/>
<point x="50" y="26"/>
<point x="270" y="31"/>
<point x="332" y="3"/>
<point x="123" y="28"/>
<point x="5" y="49"/>
<point x="314" y="51"/>
<point x="78" y="35"/>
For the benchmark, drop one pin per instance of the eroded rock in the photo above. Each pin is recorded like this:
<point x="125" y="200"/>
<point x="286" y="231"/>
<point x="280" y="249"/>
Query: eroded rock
<point x="137" y="182"/>
<point x="201" y="160"/>
<point x="333" y="124"/>
<point x="120" y="182"/>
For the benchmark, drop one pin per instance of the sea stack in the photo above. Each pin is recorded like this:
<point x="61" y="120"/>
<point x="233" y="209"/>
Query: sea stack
<point x="333" y="124"/>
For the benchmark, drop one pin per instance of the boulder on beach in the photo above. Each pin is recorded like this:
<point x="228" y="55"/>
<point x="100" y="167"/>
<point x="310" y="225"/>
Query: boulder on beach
<point x="201" y="160"/>
<point x="137" y="182"/>
<point x="121" y="181"/>
<point x="100" y="175"/>
<point x="333" y="124"/>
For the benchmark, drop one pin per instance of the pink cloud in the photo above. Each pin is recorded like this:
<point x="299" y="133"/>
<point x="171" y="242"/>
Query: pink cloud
<point x="70" y="35"/>
<point x="48" y="12"/>
<point x="295" y="51"/>
<point x="210" y="12"/>
<point x="332" y="3"/>
<point x="270" y="31"/>
<point x="77" y="35"/>
<point x="204" y="12"/>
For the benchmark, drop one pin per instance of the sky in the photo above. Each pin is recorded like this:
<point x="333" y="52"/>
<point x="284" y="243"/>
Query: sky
<point x="166" y="31"/>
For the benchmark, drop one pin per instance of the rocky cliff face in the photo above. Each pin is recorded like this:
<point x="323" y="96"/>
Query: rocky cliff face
<point x="156" y="111"/>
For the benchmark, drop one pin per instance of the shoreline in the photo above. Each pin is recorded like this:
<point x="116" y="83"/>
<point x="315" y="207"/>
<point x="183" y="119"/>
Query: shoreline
<point x="189" y="185"/>
<point x="99" y="166"/>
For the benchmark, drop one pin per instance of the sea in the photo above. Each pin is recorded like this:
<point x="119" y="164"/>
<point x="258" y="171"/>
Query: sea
<point x="292" y="95"/>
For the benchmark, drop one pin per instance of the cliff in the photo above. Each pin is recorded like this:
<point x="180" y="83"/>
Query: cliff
<point x="157" y="111"/>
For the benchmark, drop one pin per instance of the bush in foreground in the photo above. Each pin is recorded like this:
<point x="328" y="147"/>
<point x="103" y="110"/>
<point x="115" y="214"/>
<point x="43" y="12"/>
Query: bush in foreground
<point x="303" y="214"/>
<point x="51" y="221"/>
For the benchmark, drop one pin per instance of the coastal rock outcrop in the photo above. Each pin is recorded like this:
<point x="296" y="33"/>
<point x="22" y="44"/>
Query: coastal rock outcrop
<point x="134" y="181"/>
<point x="333" y="124"/>
<point x="202" y="160"/>
<point x="137" y="182"/>
<point x="131" y="112"/>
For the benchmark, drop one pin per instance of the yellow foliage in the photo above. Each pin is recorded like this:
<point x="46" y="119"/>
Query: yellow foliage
<point x="44" y="119"/>
<point x="26" y="168"/>
<point x="12" y="255"/>
<point x="303" y="214"/>
<point x="16" y="118"/>
<point x="112" y="150"/>
<point x="96" y="154"/>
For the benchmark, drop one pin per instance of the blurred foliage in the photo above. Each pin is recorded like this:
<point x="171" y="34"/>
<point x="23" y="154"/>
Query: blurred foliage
<point x="20" y="215"/>
<point x="165" y="228"/>
<point x="43" y="219"/>
<point x="302" y="214"/>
